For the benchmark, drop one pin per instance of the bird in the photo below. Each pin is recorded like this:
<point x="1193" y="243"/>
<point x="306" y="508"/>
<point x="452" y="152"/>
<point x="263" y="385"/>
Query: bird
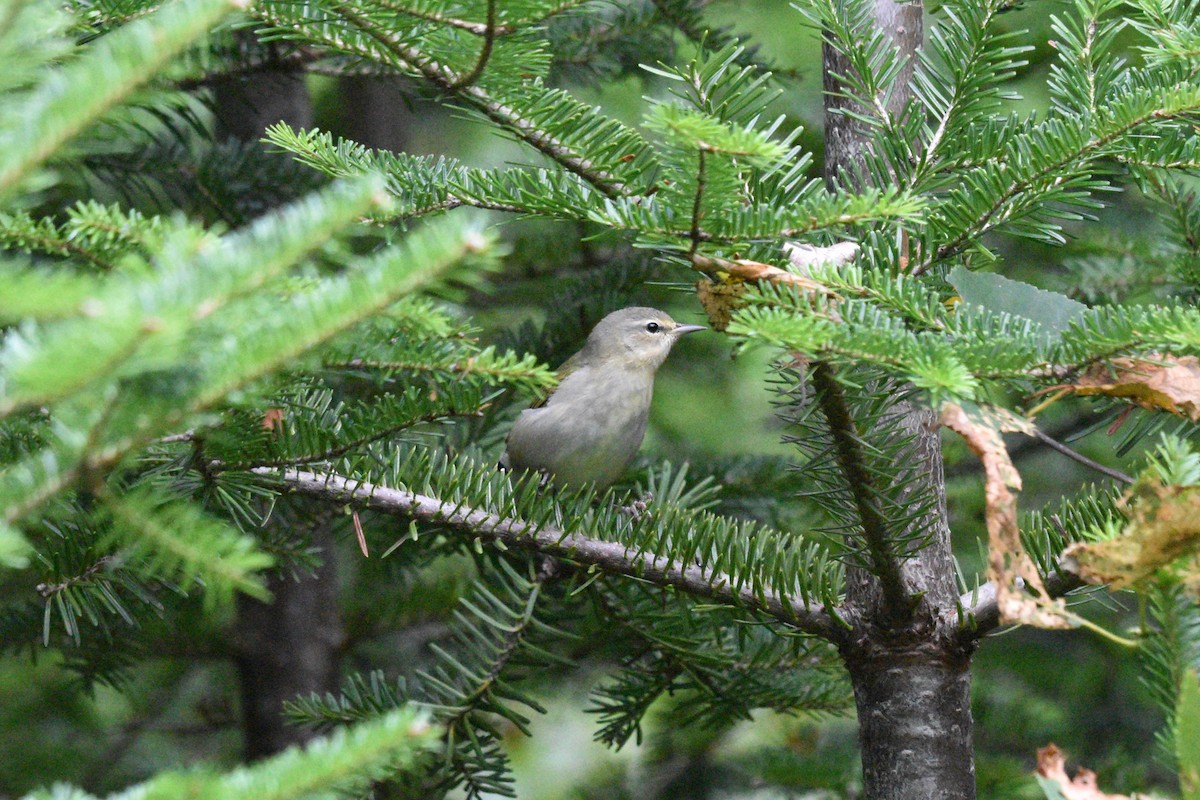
<point x="588" y="430"/>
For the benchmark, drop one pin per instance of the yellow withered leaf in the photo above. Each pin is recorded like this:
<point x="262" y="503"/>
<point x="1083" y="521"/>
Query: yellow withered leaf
<point x="1161" y="383"/>
<point x="1163" y="531"/>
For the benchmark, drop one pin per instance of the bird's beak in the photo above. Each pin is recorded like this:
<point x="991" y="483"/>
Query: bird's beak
<point x="680" y="330"/>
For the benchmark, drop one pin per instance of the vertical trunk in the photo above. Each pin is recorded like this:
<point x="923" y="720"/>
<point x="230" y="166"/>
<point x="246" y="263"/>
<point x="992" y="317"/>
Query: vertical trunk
<point x="291" y="645"/>
<point x="375" y="111"/>
<point x="844" y="136"/>
<point x="912" y="682"/>
<point x="914" y="716"/>
<point x="288" y="648"/>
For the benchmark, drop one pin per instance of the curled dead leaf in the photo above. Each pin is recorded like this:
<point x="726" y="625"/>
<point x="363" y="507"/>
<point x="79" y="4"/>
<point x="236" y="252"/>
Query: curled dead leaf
<point x="746" y="270"/>
<point x="1165" y="383"/>
<point x="720" y="294"/>
<point x="1051" y="766"/>
<point x="1009" y="566"/>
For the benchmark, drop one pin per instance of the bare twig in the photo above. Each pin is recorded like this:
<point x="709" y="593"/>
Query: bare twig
<point x="1054" y="444"/>
<point x="610" y="557"/>
<point x="698" y="203"/>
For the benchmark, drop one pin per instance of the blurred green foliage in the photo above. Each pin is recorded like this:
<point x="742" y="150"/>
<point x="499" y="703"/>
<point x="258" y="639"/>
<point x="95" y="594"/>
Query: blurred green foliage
<point x="1031" y="687"/>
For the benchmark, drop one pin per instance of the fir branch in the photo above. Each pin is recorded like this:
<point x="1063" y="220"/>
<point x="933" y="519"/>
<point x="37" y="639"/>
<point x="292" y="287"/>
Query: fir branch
<point x="488" y="29"/>
<point x="480" y="28"/>
<point x="978" y="611"/>
<point x="47" y="590"/>
<point x="499" y="112"/>
<point x="43" y="236"/>
<point x="611" y="557"/>
<point x="351" y="757"/>
<point x="884" y="564"/>
<point x="1164" y="106"/>
<point x="485" y="50"/>
<point x="71" y="98"/>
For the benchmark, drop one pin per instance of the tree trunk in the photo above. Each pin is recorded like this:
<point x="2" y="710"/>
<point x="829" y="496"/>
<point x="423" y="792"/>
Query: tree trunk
<point x="291" y="645"/>
<point x="911" y="681"/>
<point x="914" y="717"/>
<point x="375" y="111"/>
<point x="288" y="647"/>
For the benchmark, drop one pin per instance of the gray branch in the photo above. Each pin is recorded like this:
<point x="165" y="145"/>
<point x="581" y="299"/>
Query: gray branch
<point x="981" y="611"/>
<point x="610" y="557"/>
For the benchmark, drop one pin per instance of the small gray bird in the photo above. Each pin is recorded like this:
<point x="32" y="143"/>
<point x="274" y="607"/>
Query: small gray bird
<point x="591" y="427"/>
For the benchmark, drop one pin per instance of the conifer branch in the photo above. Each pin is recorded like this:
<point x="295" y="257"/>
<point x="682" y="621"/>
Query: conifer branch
<point x="883" y="562"/>
<point x="341" y="448"/>
<point x="485" y="50"/>
<point x="984" y="222"/>
<point x="49" y="589"/>
<point x="501" y="113"/>
<point x="478" y="28"/>
<point x="487" y="29"/>
<point x="611" y="557"/>
<point x="979" y="609"/>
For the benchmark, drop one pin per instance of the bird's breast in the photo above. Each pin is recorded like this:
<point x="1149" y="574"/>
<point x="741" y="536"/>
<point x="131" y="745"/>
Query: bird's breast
<point x="588" y="431"/>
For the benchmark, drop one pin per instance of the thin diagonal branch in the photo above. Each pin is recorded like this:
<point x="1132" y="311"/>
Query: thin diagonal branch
<point x="611" y="557"/>
<point x="698" y="204"/>
<point x="1054" y="444"/>
<point x="487" y="29"/>
<point x="884" y="564"/>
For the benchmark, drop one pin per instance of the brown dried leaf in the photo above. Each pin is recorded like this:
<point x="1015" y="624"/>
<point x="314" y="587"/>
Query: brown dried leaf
<point x="746" y="270"/>
<point x="1009" y="566"/>
<point x="1165" y="383"/>
<point x="1163" y="530"/>
<point x="273" y="419"/>
<point x="1051" y="765"/>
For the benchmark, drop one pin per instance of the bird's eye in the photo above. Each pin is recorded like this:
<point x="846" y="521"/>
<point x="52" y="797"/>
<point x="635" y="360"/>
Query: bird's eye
<point x="653" y="327"/>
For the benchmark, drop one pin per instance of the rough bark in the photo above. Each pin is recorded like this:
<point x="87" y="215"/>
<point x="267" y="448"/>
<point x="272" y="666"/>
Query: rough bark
<point x="914" y="715"/>
<point x="910" y="670"/>
<point x="288" y="647"/>
<point x="291" y="645"/>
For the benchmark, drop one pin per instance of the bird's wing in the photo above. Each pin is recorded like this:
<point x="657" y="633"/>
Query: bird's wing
<point x="569" y="366"/>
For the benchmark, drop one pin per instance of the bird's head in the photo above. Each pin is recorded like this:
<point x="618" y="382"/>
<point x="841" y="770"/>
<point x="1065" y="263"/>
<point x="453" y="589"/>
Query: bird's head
<point x="635" y="337"/>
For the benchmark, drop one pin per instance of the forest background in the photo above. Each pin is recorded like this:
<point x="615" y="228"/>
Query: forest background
<point x="103" y="710"/>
